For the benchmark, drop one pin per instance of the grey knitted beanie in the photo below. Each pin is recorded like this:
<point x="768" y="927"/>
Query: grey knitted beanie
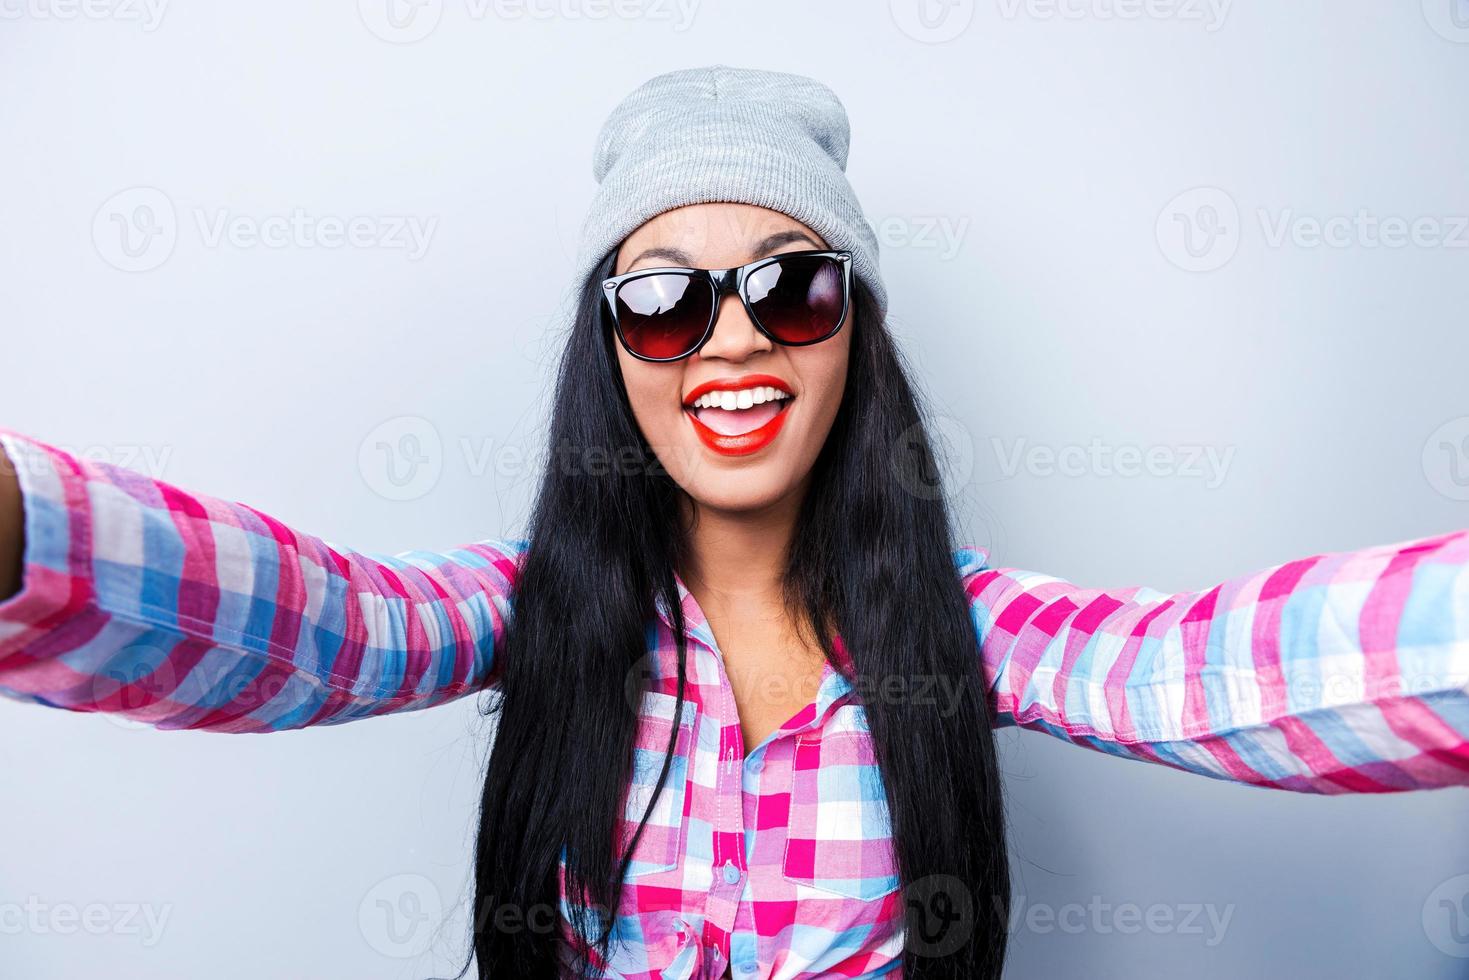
<point x="728" y="134"/>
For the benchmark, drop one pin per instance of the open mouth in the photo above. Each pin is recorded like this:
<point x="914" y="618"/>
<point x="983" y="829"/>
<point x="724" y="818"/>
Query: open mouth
<point x="738" y="416"/>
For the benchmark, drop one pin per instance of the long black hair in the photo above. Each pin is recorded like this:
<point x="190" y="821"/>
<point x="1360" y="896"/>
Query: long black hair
<point x="871" y="560"/>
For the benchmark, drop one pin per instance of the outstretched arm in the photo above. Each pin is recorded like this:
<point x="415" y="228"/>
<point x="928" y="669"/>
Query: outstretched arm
<point x="1338" y="673"/>
<point x="181" y="610"/>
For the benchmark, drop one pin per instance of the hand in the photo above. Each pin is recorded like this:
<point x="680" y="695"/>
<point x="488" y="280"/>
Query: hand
<point x="12" y="529"/>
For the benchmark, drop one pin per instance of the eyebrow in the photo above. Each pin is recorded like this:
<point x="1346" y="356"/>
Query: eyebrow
<point x="761" y="248"/>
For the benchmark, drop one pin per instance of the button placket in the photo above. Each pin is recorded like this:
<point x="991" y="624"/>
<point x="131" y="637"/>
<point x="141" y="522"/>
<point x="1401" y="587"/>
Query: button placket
<point x="730" y="828"/>
<point x="728" y="875"/>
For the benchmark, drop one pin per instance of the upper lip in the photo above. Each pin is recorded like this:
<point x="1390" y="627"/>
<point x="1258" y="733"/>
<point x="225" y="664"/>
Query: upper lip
<point x="736" y="384"/>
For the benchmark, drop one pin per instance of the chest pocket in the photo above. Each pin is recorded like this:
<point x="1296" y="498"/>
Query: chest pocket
<point x="839" y="832"/>
<point x="661" y="846"/>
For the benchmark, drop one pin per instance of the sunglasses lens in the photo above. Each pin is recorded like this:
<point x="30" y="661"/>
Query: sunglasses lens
<point x="798" y="299"/>
<point x="664" y="315"/>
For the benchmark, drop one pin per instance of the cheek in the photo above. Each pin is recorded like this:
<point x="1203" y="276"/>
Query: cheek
<point x="653" y="391"/>
<point x="825" y="374"/>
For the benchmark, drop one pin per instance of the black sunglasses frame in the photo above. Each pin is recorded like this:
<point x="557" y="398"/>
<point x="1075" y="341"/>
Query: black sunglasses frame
<point x="723" y="281"/>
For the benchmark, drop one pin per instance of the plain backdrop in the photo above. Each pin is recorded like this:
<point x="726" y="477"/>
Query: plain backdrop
<point x="1185" y="284"/>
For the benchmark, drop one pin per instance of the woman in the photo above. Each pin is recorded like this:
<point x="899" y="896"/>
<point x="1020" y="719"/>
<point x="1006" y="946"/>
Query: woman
<point x="745" y="682"/>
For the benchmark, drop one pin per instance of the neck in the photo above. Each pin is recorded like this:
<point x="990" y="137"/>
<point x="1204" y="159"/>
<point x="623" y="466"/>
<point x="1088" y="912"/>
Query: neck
<point x="737" y="557"/>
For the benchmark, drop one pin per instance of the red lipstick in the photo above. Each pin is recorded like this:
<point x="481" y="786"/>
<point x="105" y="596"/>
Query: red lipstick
<point x="736" y="384"/>
<point x="745" y="442"/>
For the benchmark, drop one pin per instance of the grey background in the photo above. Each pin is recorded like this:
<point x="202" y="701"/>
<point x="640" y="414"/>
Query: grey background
<point x="1050" y="142"/>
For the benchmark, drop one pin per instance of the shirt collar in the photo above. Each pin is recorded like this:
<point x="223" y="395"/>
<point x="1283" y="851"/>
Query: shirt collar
<point x="835" y="684"/>
<point x="695" y="625"/>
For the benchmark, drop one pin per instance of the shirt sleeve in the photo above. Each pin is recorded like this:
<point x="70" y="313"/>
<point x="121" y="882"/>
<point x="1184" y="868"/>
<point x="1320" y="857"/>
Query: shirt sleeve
<point x="183" y="611"/>
<point x="1345" y="672"/>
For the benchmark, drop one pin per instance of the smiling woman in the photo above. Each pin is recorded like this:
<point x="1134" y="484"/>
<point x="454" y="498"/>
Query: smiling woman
<point x="746" y="680"/>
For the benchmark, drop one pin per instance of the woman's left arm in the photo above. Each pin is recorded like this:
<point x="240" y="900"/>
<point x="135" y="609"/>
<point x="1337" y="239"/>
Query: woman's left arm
<point x="1345" y="672"/>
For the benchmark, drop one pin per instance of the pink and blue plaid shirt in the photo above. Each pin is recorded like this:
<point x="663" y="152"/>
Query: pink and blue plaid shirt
<point x="1343" y="672"/>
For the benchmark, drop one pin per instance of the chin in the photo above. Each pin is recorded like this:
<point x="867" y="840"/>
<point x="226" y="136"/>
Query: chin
<point x="739" y="489"/>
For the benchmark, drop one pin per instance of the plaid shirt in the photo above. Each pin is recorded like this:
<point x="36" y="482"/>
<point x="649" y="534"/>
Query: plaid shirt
<point x="1343" y="672"/>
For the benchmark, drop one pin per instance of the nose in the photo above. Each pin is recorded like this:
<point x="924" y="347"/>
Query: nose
<point x="735" y="337"/>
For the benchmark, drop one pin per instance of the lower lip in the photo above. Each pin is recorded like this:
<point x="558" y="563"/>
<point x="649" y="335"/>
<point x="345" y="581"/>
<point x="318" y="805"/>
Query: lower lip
<point x="746" y="442"/>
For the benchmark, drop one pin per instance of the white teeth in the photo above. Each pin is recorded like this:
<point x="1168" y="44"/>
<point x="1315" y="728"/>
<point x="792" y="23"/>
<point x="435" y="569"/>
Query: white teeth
<point x="744" y="398"/>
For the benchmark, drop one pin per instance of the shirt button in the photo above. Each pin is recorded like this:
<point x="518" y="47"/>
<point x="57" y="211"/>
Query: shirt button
<point x="748" y="967"/>
<point x="731" y="873"/>
<point x="757" y="764"/>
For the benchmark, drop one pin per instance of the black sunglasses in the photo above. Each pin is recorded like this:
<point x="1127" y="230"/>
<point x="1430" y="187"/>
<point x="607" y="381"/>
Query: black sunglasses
<point x="794" y="298"/>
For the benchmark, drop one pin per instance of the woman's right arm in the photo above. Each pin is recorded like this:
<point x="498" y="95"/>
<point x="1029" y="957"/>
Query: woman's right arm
<point x="125" y="594"/>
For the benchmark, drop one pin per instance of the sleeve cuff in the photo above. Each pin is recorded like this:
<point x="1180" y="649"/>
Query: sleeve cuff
<point x="55" y="578"/>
